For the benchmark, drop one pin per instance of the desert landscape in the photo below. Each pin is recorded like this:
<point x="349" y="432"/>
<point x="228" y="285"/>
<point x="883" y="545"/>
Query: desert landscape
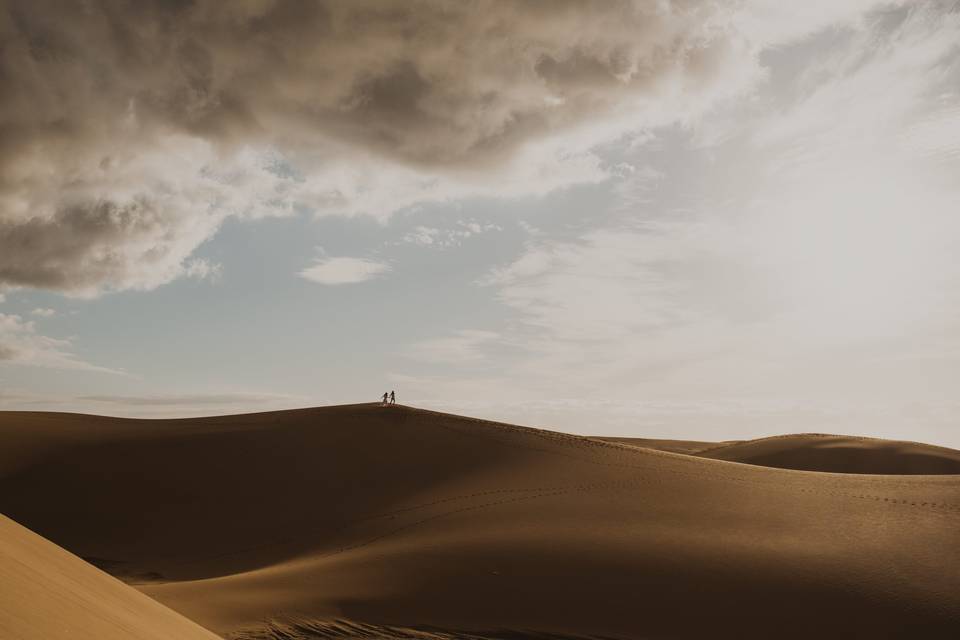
<point x="364" y="521"/>
<point x="658" y="302"/>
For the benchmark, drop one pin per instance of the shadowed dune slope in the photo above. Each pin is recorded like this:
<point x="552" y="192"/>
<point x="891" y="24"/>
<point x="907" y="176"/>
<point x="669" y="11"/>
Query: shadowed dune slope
<point x="401" y="518"/>
<point x="840" y="454"/>
<point x="47" y="593"/>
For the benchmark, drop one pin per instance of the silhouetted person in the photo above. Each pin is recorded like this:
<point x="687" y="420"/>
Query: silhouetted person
<point x="393" y="398"/>
<point x="383" y="402"/>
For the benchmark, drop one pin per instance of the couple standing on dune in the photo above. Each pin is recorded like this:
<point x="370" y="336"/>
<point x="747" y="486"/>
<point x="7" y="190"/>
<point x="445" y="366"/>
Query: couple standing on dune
<point x="388" y="399"/>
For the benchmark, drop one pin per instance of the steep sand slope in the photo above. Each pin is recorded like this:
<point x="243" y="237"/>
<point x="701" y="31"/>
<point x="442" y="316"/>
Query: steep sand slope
<point x="393" y="516"/>
<point x="47" y="593"/>
<point x="840" y="454"/>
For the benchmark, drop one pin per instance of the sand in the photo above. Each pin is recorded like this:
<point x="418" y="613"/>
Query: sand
<point x="674" y="446"/>
<point x="840" y="454"/>
<point x="390" y="518"/>
<point x="47" y="593"/>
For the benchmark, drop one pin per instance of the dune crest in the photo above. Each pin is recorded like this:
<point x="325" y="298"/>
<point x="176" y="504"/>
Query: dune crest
<point x="409" y="519"/>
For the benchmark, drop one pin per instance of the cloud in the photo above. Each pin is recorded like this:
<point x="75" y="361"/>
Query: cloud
<point x="86" y="228"/>
<point x="43" y="312"/>
<point x="807" y="275"/>
<point x="840" y="228"/>
<point x="123" y="149"/>
<point x="21" y="344"/>
<point x="202" y="269"/>
<point x="446" y="238"/>
<point x="423" y="236"/>
<point x="856" y="224"/>
<point x="344" y="270"/>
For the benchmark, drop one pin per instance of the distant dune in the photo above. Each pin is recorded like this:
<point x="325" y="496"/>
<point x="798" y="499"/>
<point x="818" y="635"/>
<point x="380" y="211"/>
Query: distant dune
<point x="47" y="593"/>
<point x="818" y="452"/>
<point x="364" y="521"/>
<point x="840" y="454"/>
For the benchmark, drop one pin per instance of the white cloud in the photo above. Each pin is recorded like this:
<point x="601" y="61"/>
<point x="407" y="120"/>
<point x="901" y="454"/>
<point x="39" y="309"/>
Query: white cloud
<point x="43" y="312"/>
<point x="21" y="344"/>
<point x="423" y="236"/>
<point x="202" y="269"/>
<point x="856" y="223"/>
<point x="815" y="272"/>
<point x="344" y="270"/>
<point x="447" y="238"/>
<point x="771" y="22"/>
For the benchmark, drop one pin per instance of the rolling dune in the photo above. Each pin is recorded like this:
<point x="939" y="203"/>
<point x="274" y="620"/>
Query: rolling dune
<point x="840" y="454"/>
<point x="375" y="519"/>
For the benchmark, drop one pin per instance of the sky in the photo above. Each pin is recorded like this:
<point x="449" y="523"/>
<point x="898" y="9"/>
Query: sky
<point x="694" y="220"/>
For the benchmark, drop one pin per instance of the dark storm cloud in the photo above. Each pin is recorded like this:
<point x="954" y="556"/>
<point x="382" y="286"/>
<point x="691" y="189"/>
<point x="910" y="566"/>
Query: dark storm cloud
<point x="430" y="82"/>
<point x="103" y="103"/>
<point x="77" y="248"/>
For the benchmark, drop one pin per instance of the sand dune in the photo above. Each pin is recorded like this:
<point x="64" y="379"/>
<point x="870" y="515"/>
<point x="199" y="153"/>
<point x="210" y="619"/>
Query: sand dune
<point x="840" y="454"/>
<point x="47" y="593"/>
<point x="396" y="518"/>
<point x="818" y="452"/>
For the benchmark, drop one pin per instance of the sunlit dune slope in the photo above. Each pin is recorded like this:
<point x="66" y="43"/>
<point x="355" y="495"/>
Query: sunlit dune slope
<point x="47" y="593"/>
<point x="395" y="516"/>
<point x="840" y="454"/>
<point x="818" y="452"/>
<point x="674" y="446"/>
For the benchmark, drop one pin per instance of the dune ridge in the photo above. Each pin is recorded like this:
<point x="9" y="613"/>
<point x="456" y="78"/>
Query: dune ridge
<point x="404" y="519"/>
